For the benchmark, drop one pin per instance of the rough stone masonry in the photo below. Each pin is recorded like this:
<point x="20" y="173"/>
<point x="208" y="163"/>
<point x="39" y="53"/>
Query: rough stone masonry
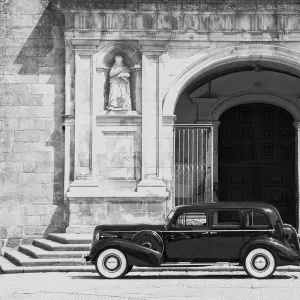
<point x="31" y="134"/>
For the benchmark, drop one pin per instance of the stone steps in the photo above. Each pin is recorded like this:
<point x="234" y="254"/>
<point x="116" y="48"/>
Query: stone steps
<point x="70" y="238"/>
<point x="54" y="246"/>
<point x="58" y="252"/>
<point x="36" y="252"/>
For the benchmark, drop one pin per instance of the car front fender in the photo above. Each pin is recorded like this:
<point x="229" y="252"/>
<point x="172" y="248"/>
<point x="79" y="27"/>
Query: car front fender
<point x="283" y="254"/>
<point x="136" y="255"/>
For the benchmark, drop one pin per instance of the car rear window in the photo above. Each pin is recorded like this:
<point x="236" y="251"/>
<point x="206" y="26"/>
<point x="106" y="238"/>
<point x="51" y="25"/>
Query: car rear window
<point x="227" y="219"/>
<point x="197" y="219"/>
<point x="256" y="219"/>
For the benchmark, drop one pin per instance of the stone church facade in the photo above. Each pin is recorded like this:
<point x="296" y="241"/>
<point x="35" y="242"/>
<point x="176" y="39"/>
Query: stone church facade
<point x="214" y="110"/>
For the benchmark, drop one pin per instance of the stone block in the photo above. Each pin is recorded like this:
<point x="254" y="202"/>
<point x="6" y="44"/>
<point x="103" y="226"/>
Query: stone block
<point x="6" y="146"/>
<point x="13" y="243"/>
<point x="6" y="111"/>
<point x="9" y="123"/>
<point x="44" y="89"/>
<point x="48" y="99"/>
<point x="3" y="232"/>
<point x="44" y="167"/>
<point x="31" y="112"/>
<point x="35" y="210"/>
<point x="33" y="230"/>
<point x="11" y="167"/>
<point x="28" y="136"/>
<point x="7" y="221"/>
<point x="28" y="240"/>
<point x="32" y="220"/>
<point x="16" y="232"/>
<point x="26" y="123"/>
<point x="6" y="136"/>
<point x="27" y="178"/>
<point x="29" y="167"/>
<point x="27" y="147"/>
<point x="28" y="100"/>
<point x="16" y="88"/>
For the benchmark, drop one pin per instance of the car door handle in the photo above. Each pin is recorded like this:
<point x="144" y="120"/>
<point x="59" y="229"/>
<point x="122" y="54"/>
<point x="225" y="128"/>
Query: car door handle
<point x="171" y="237"/>
<point x="205" y="233"/>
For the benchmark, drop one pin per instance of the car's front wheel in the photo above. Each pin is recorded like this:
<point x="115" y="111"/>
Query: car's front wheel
<point x="260" y="263"/>
<point x="111" y="263"/>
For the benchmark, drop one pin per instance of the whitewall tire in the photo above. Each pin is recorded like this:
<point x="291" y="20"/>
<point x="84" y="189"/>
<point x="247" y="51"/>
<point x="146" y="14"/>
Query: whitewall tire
<point x="260" y="263"/>
<point x="111" y="263"/>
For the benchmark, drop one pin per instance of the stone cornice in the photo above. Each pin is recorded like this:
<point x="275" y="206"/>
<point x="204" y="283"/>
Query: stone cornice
<point x="119" y="118"/>
<point x="181" y="5"/>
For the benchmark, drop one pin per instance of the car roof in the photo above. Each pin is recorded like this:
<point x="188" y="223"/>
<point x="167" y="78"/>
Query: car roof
<point x="221" y="205"/>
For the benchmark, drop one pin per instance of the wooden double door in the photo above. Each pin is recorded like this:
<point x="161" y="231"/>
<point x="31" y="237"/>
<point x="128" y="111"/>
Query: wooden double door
<point x="257" y="157"/>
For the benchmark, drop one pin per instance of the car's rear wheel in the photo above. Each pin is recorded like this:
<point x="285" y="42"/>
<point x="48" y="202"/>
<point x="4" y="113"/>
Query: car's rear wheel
<point x="111" y="263"/>
<point x="260" y="263"/>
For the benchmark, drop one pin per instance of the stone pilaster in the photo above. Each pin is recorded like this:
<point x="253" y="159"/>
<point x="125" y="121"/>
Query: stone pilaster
<point x="297" y="170"/>
<point x="85" y="120"/>
<point x="151" y="118"/>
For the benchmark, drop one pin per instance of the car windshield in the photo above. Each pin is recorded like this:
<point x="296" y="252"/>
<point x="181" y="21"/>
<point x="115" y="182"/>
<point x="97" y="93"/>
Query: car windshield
<point x="169" y="217"/>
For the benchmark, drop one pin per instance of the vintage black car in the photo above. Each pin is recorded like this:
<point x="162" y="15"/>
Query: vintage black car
<point x="251" y="235"/>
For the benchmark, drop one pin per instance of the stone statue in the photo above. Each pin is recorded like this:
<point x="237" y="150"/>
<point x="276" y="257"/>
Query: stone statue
<point x="119" y="93"/>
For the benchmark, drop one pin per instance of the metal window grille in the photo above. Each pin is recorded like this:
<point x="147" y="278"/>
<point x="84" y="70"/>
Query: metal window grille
<point x="193" y="164"/>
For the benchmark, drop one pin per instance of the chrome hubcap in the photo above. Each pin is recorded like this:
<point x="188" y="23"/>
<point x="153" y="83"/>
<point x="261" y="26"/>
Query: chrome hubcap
<point x="260" y="263"/>
<point x="111" y="263"/>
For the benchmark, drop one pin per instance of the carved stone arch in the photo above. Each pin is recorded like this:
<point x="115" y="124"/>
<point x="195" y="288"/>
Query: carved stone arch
<point x="131" y="55"/>
<point x="246" y="98"/>
<point x="211" y="59"/>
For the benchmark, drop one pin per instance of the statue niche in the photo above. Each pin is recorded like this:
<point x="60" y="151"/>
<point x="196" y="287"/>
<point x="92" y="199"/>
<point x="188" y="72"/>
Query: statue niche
<point x="119" y="91"/>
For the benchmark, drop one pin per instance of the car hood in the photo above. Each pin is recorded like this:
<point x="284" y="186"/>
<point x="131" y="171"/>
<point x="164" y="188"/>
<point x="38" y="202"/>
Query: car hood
<point x="130" y="227"/>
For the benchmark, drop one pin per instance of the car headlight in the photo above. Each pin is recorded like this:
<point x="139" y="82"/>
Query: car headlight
<point x="97" y="236"/>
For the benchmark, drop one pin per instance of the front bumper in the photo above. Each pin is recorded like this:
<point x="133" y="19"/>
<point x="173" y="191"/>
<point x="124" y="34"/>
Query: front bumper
<point x="86" y="256"/>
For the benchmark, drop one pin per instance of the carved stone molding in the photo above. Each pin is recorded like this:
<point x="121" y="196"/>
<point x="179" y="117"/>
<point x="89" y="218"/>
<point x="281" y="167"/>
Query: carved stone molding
<point x="152" y="49"/>
<point x="168" y="120"/>
<point x="85" y="47"/>
<point x="171" y="5"/>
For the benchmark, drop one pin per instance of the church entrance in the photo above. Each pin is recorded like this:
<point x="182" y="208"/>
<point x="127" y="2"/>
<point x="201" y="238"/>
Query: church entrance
<point x="257" y="157"/>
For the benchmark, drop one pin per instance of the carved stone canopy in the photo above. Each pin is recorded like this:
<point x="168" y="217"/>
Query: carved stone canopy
<point x="175" y="5"/>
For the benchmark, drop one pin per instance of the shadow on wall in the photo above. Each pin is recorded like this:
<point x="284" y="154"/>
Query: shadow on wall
<point x="43" y="54"/>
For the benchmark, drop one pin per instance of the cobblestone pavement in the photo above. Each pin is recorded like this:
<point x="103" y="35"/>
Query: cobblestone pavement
<point x="150" y="284"/>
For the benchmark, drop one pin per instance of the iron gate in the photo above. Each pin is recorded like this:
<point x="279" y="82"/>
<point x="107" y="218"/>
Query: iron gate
<point x="193" y="164"/>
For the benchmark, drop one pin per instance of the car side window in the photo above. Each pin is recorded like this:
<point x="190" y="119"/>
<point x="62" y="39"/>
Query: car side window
<point x="226" y="219"/>
<point x="256" y="219"/>
<point x="191" y="220"/>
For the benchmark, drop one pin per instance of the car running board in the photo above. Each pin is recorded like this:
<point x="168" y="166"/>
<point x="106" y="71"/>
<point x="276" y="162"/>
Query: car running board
<point x="187" y="264"/>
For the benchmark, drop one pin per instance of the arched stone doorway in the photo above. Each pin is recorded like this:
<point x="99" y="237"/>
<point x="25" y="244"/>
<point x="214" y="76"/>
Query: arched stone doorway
<point x="257" y="157"/>
<point x="205" y="107"/>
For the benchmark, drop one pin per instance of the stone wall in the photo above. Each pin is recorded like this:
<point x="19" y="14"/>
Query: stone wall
<point x="32" y="66"/>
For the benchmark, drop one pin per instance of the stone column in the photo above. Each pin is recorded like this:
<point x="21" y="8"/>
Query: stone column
<point x="297" y="170"/>
<point x="167" y="158"/>
<point x="151" y="118"/>
<point x="85" y="120"/>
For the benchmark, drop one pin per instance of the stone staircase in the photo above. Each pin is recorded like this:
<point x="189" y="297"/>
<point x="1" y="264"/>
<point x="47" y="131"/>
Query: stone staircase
<point x="58" y="252"/>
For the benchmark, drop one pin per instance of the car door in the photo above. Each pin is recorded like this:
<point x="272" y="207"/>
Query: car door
<point x="187" y="238"/>
<point x="226" y="235"/>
